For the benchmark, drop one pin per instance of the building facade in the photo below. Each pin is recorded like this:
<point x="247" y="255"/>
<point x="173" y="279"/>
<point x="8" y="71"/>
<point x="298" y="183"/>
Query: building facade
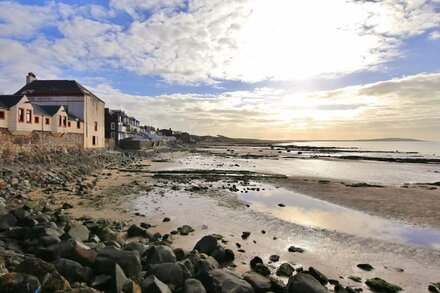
<point x="120" y="126"/>
<point x="79" y="104"/>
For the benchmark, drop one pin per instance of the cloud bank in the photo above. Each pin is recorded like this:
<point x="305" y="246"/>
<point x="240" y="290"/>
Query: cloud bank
<point x="406" y="107"/>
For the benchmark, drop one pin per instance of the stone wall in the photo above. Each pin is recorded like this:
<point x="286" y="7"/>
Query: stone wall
<point x="37" y="141"/>
<point x="140" y="145"/>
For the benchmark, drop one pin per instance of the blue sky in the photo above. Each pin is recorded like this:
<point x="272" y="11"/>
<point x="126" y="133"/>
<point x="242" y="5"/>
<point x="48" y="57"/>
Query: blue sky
<point x="252" y="68"/>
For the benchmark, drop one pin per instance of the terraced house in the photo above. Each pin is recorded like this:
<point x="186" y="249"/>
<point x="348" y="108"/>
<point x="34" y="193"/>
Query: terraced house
<point x="83" y="110"/>
<point x="58" y="107"/>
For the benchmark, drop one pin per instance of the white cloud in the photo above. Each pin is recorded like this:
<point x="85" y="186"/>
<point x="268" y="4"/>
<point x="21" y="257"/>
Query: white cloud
<point x="405" y="107"/>
<point x="205" y="41"/>
<point x="435" y="35"/>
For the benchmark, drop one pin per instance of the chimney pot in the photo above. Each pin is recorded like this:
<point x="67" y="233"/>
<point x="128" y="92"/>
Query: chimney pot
<point x="30" y="78"/>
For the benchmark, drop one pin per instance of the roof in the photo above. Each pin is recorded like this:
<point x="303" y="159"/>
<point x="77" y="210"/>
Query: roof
<point x="73" y="117"/>
<point x="8" y="101"/>
<point x="46" y="110"/>
<point x="54" y="87"/>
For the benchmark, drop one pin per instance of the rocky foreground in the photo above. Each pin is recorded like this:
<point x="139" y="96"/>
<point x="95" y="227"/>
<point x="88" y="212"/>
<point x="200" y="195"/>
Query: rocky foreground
<point x="43" y="249"/>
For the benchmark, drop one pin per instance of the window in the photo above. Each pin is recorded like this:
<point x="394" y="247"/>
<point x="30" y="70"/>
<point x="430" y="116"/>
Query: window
<point x="36" y="120"/>
<point x="47" y="121"/>
<point x="60" y="121"/>
<point x="20" y="115"/>
<point x="64" y="121"/>
<point x="68" y="124"/>
<point x="28" y="116"/>
<point x="96" y="126"/>
<point x="78" y="124"/>
<point x="112" y="125"/>
<point x="93" y="140"/>
<point x="112" y="135"/>
<point x="2" y="115"/>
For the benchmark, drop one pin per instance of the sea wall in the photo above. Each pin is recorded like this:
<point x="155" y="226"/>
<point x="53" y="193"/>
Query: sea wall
<point x="140" y="145"/>
<point x="37" y="141"/>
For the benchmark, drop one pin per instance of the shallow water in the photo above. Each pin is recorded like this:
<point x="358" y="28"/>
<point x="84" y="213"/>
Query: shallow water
<point x="384" y="173"/>
<point x="304" y="210"/>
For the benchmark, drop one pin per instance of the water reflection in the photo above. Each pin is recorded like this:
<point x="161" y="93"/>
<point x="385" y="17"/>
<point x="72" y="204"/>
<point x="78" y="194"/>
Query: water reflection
<point x="304" y="210"/>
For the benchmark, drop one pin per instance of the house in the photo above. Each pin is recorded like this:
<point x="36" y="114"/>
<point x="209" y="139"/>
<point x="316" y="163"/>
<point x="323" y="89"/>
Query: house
<point x="120" y="126"/>
<point x="82" y="108"/>
<point x="21" y="117"/>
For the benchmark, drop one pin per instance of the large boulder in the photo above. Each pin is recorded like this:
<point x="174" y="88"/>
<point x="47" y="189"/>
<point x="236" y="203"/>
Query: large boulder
<point x="69" y="249"/>
<point x="218" y="280"/>
<point x="158" y="254"/>
<point x="129" y="261"/>
<point x="207" y="244"/>
<point x="305" y="283"/>
<point x="73" y="271"/>
<point x="151" y="284"/>
<point x="136" y="231"/>
<point x="169" y="273"/>
<point x="18" y="282"/>
<point x="193" y="286"/>
<point x="258" y="282"/>
<point x="318" y="276"/>
<point x="46" y="273"/>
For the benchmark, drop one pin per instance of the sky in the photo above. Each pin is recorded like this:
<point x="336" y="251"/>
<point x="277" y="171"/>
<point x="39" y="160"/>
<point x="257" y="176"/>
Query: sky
<point x="270" y="69"/>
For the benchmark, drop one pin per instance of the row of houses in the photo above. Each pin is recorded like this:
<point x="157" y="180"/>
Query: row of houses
<point x="66" y="107"/>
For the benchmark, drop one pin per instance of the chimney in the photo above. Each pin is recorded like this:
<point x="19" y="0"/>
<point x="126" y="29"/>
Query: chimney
<point x="30" y="78"/>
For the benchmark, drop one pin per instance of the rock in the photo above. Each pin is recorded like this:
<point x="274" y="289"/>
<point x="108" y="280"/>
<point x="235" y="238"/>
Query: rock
<point x="49" y="240"/>
<point x="118" y="279"/>
<point x="18" y="282"/>
<point x="180" y="253"/>
<point x="258" y="282"/>
<point x="67" y="206"/>
<point x="131" y="287"/>
<point x="262" y="269"/>
<point x="152" y="284"/>
<point x="129" y="261"/>
<point x="169" y="273"/>
<point x="7" y="221"/>
<point x="136" y="246"/>
<point x="166" y="219"/>
<point x="78" y="232"/>
<point x="355" y="278"/>
<point x="136" y="231"/>
<point x="193" y="286"/>
<point x="255" y="261"/>
<point x="379" y="284"/>
<point x="433" y="288"/>
<point x="295" y="249"/>
<point x="73" y="271"/>
<point x="304" y="283"/>
<point x="3" y="269"/>
<point x="230" y="282"/>
<point x="101" y="282"/>
<point x="160" y="254"/>
<point x="245" y="235"/>
<point x="317" y="275"/>
<point x="207" y="244"/>
<point x="46" y="273"/>
<point x="285" y="270"/>
<point x="274" y="258"/>
<point x="281" y="205"/>
<point x="365" y="266"/>
<point x="185" y="230"/>
<point x="69" y="249"/>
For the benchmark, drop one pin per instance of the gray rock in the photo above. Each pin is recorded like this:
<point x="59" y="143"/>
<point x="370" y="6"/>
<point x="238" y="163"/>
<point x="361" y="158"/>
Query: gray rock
<point x="304" y="283"/>
<point x="73" y="271"/>
<point x="318" y="276"/>
<point x="136" y="246"/>
<point x="7" y="221"/>
<point x="69" y="249"/>
<point x="258" y="282"/>
<point x="230" y="282"/>
<point x="49" y="240"/>
<point x="169" y="273"/>
<point x="207" y="244"/>
<point x="129" y="261"/>
<point x="78" y="232"/>
<point x="152" y="284"/>
<point x="193" y="286"/>
<point x="158" y="254"/>
<point x="136" y="231"/>
<point x="285" y="270"/>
